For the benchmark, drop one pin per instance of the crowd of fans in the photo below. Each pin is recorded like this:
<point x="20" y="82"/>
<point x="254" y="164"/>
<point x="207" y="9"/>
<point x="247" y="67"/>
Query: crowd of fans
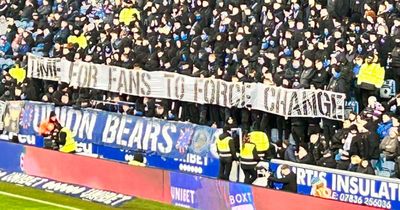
<point x="347" y="46"/>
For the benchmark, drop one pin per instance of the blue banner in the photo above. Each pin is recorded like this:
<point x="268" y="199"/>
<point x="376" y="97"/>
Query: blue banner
<point x="166" y="138"/>
<point x="165" y="144"/>
<point x="191" y="191"/>
<point x="204" y="165"/>
<point x="85" y="193"/>
<point x="241" y="196"/>
<point x="37" y="141"/>
<point x="12" y="156"/>
<point x="345" y="186"/>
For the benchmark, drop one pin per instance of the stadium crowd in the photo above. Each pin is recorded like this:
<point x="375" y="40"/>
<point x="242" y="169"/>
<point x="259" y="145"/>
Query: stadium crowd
<point x="346" y="46"/>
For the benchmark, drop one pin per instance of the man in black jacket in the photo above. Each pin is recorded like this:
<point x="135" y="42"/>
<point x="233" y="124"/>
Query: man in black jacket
<point x="327" y="160"/>
<point x="320" y="78"/>
<point x="308" y="73"/>
<point x="316" y="146"/>
<point x="289" y="179"/>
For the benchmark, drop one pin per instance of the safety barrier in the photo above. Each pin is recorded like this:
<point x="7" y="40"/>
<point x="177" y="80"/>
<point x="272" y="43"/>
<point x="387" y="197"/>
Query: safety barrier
<point x="155" y="184"/>
<point x="345" y="186"/>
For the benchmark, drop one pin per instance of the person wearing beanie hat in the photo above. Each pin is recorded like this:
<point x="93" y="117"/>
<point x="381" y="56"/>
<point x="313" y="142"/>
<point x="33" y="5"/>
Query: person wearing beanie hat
<point x="320" y="79"/>
<point x="359" y="141"/>
<point x="61" y="97"/>
<point x="337" y="82"/>
<point x="327" y="160"/>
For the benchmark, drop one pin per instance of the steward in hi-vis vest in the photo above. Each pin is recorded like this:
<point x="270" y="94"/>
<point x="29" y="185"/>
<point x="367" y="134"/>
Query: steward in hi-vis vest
<point x="67" y="141"/>
<point x="249" y="160"/>
<point x="226" y="151"/>
<point x="260" y="139"/>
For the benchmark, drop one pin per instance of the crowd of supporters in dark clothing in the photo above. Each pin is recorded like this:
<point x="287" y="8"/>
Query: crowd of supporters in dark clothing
<point x="346" y="46"/>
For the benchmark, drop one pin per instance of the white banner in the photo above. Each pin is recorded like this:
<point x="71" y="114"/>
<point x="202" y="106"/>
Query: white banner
<point x="43" y="68"/>
<point x="276" y="100"/>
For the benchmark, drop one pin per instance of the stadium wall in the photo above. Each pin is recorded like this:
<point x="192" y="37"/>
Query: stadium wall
<point x="159" y="185"/>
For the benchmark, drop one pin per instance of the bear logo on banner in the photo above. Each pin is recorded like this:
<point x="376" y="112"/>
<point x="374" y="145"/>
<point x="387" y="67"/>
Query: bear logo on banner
<point x="26" y="116"/>
<point x="184" y="140"/>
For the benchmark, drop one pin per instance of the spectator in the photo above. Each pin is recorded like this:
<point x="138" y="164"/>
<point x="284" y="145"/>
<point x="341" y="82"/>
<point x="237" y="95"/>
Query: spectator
<point x="338" y="8"/>
<point x="370" y="78"/>
<point x="343" y="160"/>
<point x="63" y="33"/>
<point x="389" y="144"/>
<point x="327" y="160"/>
<point x="384" y="126"/>
<point x="316" y="147"/>
<point x="365" y="168"/>
<point x="340" y="136"/>
<point x="309" y="72"/>
<point x="281" y="149"/>
<point x="44" y="9"/>
<point x="372" y="140"/>
<point x="359" y="143"/>
<point x="47" y="97"/>
<point x="348" y="141"/>
<point x="5" y="47"/>
<point x="303" y="156"/>
<point x="61" y="96"/>
<point x="8" y="84"/>
<point x="394" y="105"/>
<point x="320" y="79"/>
<point x="354" y="162"/>
<point x="29" y="90"/>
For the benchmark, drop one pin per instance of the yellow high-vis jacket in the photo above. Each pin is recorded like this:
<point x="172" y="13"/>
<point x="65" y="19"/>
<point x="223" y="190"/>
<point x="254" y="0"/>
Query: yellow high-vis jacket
<point x="126" y="15"/>
<point x="373" y="74"/>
